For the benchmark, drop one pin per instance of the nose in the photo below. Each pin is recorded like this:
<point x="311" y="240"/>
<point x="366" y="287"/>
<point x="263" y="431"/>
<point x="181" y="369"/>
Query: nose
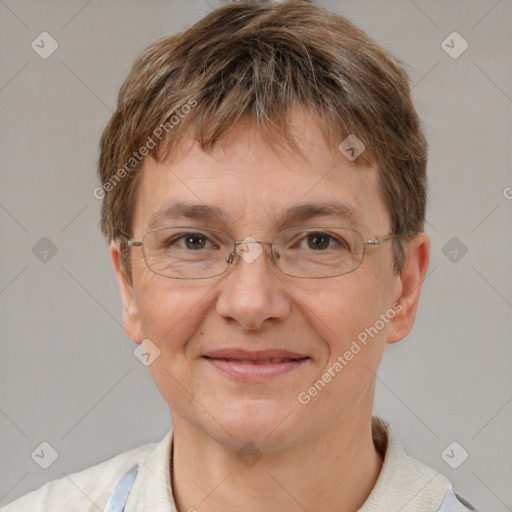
<point x="253" y="293"/>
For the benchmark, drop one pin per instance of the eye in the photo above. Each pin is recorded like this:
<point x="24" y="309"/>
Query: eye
<point x="192" y="241"/>
<point x="320" y="241"/>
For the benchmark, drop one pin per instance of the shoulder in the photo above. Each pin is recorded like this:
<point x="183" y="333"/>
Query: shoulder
<point x="452" y="502"/>
<point x="84" y="491"/>
<point x="405" y="483"/>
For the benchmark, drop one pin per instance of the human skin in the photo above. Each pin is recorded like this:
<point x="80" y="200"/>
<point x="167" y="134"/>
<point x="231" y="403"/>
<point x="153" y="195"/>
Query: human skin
<point x="318" y="456"/>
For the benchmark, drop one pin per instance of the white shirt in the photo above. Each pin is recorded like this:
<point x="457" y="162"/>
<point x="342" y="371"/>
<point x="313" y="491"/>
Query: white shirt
<point x="404" y="484"/>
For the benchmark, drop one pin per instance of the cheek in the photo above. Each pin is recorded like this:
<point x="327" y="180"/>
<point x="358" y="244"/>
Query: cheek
<point x="349" y="322"/>
<point x="167" y="307"/>
<point x="347" y="302"/>
<point x="171" y="313"/>
<point x="170" y="316"/>
<point x="347" y="316"/>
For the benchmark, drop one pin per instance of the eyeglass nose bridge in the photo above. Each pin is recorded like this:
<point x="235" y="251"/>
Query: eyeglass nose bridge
<point x="234" y="254"/>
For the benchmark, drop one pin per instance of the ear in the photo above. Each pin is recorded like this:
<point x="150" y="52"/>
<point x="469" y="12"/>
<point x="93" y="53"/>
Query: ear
<point x="131" y="319"/>
<point x="410" y="282"/>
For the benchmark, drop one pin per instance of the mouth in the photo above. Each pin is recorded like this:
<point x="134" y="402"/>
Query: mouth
<point x="249" y="366"/>
<point x="259" y="361"/>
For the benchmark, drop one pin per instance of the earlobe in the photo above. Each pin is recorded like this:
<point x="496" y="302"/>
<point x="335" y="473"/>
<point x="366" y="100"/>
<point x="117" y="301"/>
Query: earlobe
<point x="131" y="320"/>
<point x="411" y="282"/>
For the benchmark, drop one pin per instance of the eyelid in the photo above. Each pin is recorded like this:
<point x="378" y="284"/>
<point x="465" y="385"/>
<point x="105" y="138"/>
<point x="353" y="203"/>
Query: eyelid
<point x="209" y="236"/>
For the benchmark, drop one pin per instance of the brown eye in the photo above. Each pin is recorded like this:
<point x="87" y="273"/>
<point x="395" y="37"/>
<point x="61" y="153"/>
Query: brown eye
<point x="317" y="241"/>
<point x="188" y="241"/>
<point x="194" y="241"/>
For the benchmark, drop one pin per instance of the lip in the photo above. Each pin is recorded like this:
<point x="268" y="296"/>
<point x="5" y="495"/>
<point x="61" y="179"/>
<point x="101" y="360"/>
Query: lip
<point x="248" y="365"/>
<point x="249" y="355"/>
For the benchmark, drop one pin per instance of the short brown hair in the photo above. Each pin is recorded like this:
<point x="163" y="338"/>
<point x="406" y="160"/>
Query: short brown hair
<point x="253" y="60"/>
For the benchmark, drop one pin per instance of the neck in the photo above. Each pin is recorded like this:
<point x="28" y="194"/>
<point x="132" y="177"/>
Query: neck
<point x="332" y="473"/>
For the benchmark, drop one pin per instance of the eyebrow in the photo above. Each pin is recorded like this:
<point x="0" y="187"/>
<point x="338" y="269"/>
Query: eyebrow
<point x="307" y="211"/>
<point x="183" y="210"/>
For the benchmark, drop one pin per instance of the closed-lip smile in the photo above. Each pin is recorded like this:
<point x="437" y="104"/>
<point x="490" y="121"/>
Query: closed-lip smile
<point x="255" y="365"/>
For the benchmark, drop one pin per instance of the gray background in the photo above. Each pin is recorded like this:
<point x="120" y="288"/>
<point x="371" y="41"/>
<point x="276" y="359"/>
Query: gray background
<point x="67" y="371"/>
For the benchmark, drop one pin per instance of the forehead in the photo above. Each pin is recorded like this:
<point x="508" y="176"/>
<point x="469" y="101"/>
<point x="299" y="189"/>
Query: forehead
<point x="243" y="182"/>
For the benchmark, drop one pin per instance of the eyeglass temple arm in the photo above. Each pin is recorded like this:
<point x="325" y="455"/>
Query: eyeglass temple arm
<point x="379" y="241"/>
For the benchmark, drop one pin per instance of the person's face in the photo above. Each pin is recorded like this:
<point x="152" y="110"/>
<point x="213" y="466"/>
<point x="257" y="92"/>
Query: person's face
<point x="254" y="307"/>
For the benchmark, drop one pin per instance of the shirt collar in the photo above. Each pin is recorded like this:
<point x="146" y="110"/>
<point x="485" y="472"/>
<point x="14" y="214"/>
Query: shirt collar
<point x="404" y="483"/>
<point x="152" y="488"/>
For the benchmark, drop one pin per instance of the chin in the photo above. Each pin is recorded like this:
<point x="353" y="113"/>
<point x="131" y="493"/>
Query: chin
<point x="267" y="424"/>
